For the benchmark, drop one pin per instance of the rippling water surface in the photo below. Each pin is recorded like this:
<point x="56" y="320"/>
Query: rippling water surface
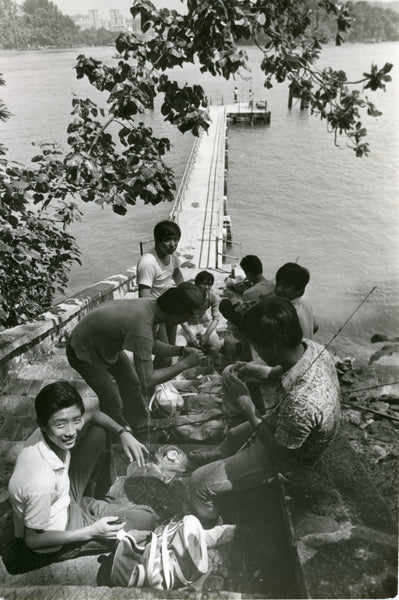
<point x="292" y="194"/>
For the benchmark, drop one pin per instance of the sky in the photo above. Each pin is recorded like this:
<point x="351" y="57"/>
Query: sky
<point x="74" y="7"/>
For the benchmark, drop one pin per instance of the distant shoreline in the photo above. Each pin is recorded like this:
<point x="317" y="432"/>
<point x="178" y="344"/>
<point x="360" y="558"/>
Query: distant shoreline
<point x="38" y="48"/>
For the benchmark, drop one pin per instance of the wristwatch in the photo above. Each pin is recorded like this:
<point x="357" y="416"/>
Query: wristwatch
<point x="125" y="429"/>
<point x="181" y="351"/>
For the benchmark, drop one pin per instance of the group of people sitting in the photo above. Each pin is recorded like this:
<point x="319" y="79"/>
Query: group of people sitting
<point x="62" y="477"/>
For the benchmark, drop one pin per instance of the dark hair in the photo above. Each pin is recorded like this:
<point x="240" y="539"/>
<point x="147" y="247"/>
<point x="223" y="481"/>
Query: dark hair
<point x="273" y="320"/>
<point x="293" y="274"/>
<point x="166" y="229"/>
<point x="204" y="277"/>
<point x="181" y="300"/>
<point x="251" y="264"/>
<point x="54" y="397"/>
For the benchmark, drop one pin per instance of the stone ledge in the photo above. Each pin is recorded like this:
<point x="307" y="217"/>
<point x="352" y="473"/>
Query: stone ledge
<point x="343" y="536"/>
<point x="106" y="593"/>
<point x="19" y="339"/>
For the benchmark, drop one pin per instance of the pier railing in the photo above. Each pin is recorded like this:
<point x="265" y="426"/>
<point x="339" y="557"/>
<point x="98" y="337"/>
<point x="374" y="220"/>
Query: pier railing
<point x="184" y="180"/>
<point x="221" y="254"/>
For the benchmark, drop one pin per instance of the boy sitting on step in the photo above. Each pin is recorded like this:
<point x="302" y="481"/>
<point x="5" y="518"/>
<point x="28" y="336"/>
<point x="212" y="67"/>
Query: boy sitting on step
<point x="60" y="478"/>
<point x="200" y="329"/>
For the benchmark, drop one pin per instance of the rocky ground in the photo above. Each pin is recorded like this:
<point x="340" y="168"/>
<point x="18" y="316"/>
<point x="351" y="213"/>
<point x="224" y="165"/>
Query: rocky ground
<point x="371" y="422"/>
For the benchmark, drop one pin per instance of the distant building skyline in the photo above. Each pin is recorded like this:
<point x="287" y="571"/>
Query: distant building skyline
<point x="78" y="7"/>
<point x="94" y="19"/>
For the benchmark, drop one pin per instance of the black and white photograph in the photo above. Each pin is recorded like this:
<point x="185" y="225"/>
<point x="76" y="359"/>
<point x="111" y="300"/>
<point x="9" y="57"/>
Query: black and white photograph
<point x="199" y="299"/>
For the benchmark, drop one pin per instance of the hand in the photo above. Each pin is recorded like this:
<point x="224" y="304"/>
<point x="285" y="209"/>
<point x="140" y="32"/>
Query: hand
<point x="192" y="340"/>
<point x="187" y="350"/>
<point x="104" y="528"/>
<point x="133" y="449"/>
<point x="236" y="366"/>
<point x="234" y="387"/>
<point x="205" y="340"/>
<point x="193" y="359"/>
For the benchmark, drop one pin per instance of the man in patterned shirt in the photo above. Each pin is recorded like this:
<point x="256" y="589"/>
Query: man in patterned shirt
<point x="294" y="434"/>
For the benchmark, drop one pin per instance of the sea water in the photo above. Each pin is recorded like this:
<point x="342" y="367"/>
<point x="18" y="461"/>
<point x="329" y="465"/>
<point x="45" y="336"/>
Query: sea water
<point x="292" y="194"/>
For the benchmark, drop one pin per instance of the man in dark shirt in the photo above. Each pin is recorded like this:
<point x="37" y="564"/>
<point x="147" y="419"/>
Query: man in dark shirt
<point x="98" y="344"/>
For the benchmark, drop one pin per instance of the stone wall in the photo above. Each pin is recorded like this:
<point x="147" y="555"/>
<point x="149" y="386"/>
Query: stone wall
<point x="24" y="343"/>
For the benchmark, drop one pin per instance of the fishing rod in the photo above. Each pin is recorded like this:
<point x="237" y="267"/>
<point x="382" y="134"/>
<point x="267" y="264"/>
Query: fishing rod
<point x="362" y="408"/>
<point x="324" y="348"/>
<point x="341" y="328"/>
<point x="372" y="387"/>
<point x="169" y="425"/>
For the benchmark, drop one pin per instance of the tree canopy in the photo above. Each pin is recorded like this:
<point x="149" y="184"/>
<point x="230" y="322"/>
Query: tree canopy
<point x="40" y="24"/>
<point x="209" y="34"/>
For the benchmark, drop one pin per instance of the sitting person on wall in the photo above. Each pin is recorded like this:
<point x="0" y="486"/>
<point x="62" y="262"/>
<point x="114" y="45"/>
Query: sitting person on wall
<point x="200" y="330"/>
<point x="260" y="286"/>
<point x="158" y="270"/>
<point x="291" y="282"/>
<point x="293" y="435"/>
<point x="255" y="285"/>
<point x="97" y="344"/>
<point x="60" y="478"/>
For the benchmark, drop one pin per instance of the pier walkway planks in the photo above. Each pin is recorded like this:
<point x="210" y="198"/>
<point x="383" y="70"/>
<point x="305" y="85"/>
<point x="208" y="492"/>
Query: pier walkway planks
<point x="200" y="209"/>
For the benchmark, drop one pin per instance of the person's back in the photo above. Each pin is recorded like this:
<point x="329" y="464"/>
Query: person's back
<point x="119" y="324"/>
<point x="291" y="282"/>
<point x="307" y="413"/>
<point x="265" y="287"/>
<point x="306" y="317"/>
<point x="260" y="286"/>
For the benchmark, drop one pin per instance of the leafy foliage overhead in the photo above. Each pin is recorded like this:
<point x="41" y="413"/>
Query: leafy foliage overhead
<point x="128" y="165"/>
<point x="36" y="252"/>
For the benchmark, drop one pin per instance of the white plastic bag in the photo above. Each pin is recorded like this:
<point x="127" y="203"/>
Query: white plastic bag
<point x="166" y="400"/>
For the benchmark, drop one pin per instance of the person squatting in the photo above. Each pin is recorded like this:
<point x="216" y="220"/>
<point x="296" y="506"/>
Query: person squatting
<point x="60" y="488"/>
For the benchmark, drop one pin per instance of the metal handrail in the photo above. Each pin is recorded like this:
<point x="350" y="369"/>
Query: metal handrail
<point x="141" y="244"/>
<point x="224" y="254"/>
<point x="184" y="180"/>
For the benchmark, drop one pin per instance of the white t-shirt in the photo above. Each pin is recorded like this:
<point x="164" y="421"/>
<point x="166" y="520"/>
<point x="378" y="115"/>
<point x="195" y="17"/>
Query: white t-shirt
<point x="152" y="272"/>
<point x="39" y="490"/>
<point x="305" y="316"/>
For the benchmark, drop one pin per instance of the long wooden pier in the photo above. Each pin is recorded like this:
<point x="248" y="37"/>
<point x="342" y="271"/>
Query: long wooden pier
<point x="200" y="207"/>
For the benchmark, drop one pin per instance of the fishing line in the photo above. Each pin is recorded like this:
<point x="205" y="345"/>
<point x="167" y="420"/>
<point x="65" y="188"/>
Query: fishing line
<point x="340" y="329"/>
<point x="324" y="348"/>
<point x="372" y="387"/>
<point x="226" y="416"/>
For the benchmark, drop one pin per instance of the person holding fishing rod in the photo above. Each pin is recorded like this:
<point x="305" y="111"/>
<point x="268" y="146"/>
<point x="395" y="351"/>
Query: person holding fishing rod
<point x="298" y="429"/>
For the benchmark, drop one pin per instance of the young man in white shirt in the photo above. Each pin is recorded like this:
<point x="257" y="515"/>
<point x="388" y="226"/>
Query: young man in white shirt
<point x="157" y="271"/>
<point x="56" y="471"/>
